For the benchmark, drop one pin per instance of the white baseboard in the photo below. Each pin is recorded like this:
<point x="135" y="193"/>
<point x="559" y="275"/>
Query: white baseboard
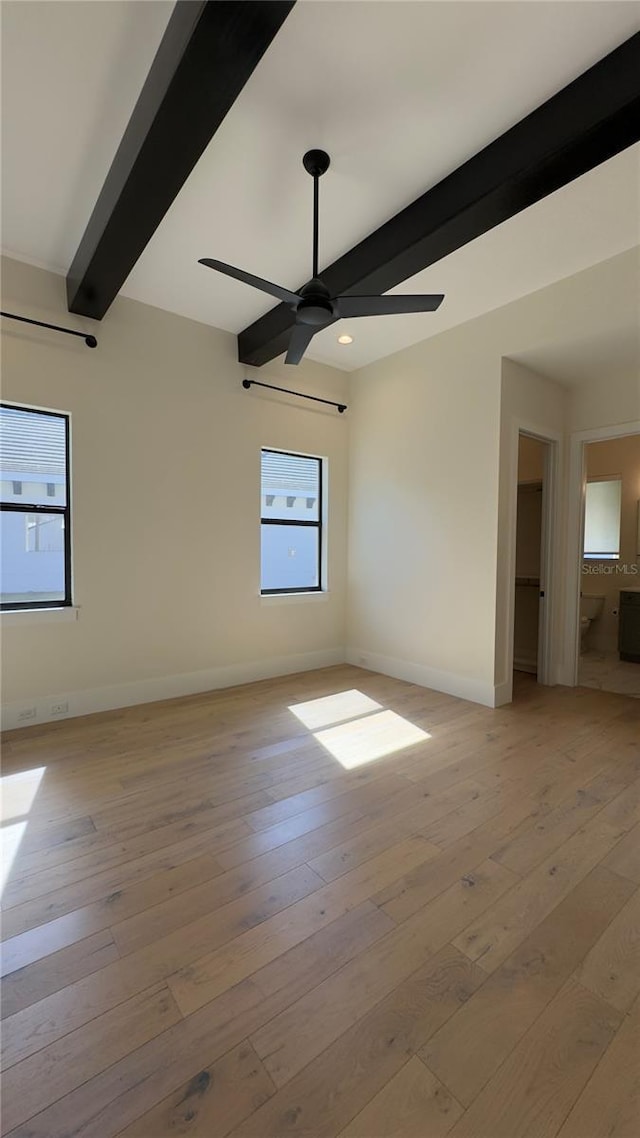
<point x="465" y="687"/>
<point x="503" y="693"/>
<point x="163" y="687"/>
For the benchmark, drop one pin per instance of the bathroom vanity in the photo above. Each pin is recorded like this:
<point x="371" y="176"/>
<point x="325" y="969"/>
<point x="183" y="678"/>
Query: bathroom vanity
<point x="629" y="625"/>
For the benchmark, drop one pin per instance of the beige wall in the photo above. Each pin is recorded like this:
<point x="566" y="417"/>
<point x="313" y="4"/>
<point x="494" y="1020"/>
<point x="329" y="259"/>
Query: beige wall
<point x="166" y="480"/>
<point x="423" y="491"/>
<point x="611" y="458"/>
<point x="433" y="476"/>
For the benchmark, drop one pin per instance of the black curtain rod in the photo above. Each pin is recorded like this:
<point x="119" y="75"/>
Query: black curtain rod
<point x="90" y="341"/>
<point x="247" y="383"/>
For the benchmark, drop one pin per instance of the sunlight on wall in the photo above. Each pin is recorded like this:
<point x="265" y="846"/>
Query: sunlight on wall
<point x="18" y="792"/>
<point x="333" y="708"/>
<point x="373" y="737"/>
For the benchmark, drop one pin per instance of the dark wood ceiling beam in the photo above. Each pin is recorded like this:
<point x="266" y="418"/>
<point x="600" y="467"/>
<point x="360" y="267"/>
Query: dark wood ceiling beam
<point x="208" y="52"/>
<point x="592" y="119"/>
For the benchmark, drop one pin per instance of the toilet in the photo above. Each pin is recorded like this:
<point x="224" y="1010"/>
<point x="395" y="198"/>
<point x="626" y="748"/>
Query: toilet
<point x="591" y="607"/>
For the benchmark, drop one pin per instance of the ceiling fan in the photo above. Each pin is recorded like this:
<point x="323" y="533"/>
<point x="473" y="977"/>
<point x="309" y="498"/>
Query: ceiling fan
<point x="313" y="305"/>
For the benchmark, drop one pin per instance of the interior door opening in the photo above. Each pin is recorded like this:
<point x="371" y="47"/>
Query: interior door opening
<point x="609" y="571"/>
<point x="531" y="562"/>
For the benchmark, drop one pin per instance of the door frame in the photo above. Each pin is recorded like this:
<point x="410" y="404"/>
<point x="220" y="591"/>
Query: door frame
<point x="575" y="536"/>
<point x="547" y="663"/>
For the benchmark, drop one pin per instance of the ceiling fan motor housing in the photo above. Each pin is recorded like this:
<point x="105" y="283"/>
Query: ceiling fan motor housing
<point x="315" y="307"/>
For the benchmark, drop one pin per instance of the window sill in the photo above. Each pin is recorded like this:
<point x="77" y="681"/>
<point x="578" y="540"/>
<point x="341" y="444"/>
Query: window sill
<point x="293" y="598"/>
<point x="22" y="617"/>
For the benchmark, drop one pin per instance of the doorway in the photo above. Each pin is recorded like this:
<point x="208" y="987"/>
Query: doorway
<point x="609" y="601"/>
<point x="530" y="623"/>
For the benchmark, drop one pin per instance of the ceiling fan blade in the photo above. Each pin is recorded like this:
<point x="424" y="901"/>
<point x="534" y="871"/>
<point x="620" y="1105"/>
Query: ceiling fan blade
<point x="386" y="305"/>
<point x="248" y="278"/>
<point x="301" y="337"/>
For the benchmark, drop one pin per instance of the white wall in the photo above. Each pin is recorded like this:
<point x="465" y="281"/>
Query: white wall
<point x="166" y="498"/>
<point x="433" y="477"/>
<point x="609" y="400"/>
<point x="423" y="522"/>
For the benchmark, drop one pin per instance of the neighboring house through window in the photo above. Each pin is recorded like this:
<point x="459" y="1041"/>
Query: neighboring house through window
<point x="34" y="508"/>
<point x="291" y="523"/>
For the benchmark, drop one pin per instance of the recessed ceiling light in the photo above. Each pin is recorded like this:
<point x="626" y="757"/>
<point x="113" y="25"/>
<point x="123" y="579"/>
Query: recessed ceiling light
<point x="345" y="339"/>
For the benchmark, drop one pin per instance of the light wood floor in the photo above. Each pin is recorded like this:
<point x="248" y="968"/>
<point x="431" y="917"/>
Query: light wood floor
<point x="213" y="928"/>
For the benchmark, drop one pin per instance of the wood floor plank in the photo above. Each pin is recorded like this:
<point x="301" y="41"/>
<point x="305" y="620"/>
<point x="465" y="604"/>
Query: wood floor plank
<point x="383" y="834"/>
<point x="122" y="1093"/>
<point x="42" y="1023"/>
<point x="327" y="1095"/>
<point x="223" y="889"/>
<point x="492" y="938"/>
<point x="413" y="1103"/>
<point x="609" y="1106"/>
<point x="625" y="856"/>
<point x="57" y="1069"/>
<point x="293" y="1039"/>
<point x="469" y="1049"/>
<point x="212" y="1102"/>
<point x="106" y="899"/>
<point x="211" y="851"/>
<point x="415" y="889"/>
<point x="537" y="1085"/>
<point x="36" y="981"/>
<point x="219" y="970"/>
<point x="612" y="968"/>
<point x="157" y="848"/>
<point x="530" y="844"/>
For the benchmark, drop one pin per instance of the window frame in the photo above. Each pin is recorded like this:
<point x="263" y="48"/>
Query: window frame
<point x="27" y="508"/>
<point x="601" y="555"/>
<point x="319" y="524"/>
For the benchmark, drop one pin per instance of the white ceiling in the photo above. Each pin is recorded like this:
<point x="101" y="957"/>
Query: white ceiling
<point x="613" y="353"/>
<point x="399" y="93"/>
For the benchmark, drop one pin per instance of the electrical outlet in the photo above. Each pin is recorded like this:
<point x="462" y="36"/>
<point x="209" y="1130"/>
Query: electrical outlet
<point x="59" y="708"/>
<point x="26" y="714"/>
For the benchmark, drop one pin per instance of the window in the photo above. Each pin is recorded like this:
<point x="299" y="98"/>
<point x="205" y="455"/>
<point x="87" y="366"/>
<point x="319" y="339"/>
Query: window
<point x="602" y="519"/>
<point x="35" y="532"/>
<point x="291" y="523"/>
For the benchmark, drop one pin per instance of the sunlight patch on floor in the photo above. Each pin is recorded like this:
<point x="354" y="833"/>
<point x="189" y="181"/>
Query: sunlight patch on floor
<point x="18" y="792"/>
<point x="333" y="708"/>
<point x="10" y="838"/>
<point x="364" y="740"/>
<point x="17" y="795"/>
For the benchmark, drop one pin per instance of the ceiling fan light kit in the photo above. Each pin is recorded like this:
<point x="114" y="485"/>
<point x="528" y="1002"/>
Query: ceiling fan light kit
<point x="313" y="305"/>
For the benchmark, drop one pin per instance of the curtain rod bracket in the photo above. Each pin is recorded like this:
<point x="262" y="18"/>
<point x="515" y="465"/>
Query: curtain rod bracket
<point x="247" y="383"/>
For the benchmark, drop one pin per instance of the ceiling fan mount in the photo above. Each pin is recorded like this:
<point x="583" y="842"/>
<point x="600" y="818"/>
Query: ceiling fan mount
<point x="316" y="162"/>
<point x="313" y="304"/>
